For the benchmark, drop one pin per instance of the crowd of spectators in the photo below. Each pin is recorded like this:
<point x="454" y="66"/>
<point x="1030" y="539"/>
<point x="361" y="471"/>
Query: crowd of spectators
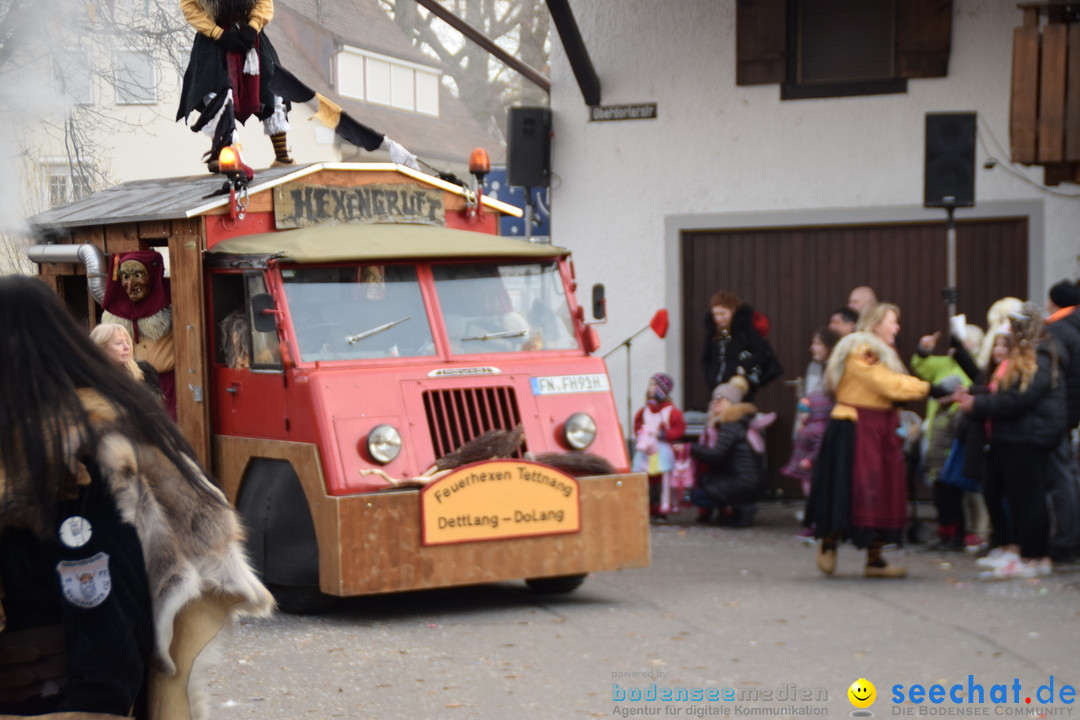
<point x="997" y="442"/>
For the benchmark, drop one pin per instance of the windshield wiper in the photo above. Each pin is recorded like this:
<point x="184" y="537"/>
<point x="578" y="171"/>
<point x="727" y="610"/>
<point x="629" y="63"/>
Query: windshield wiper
<point x="351" y="339"/>
<point x="498" y="335"/>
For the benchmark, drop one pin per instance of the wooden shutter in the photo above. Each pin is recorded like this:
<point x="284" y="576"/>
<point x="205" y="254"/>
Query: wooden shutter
<point x="1024" y="110"/>
<point x="923" y="38"/>
<point x="760" y="41"/>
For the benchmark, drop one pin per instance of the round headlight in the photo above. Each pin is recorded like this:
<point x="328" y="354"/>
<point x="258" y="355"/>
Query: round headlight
<point x="579" y="431"/>
<point x="384" y="443"/>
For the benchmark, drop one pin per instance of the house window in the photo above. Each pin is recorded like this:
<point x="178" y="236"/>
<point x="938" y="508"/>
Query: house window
<point x="833" y="48"/>
<point x="384" y="80"/>
<point x="58" y="189"/>
<point x="842" y="47"/>
<point x="60" y="184"/>
<point x="377" y="81"/>
<point x="135" y="77"/>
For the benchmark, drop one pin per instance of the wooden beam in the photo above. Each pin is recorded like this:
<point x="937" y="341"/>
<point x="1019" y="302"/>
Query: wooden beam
<point x="1052" y="65"/>
<point x="576" y="51"/>
<point x="471" y="33"/>
<point x="1023" y="113"/>
<point x="189" y="342"/>
<point x="1072" y="97"/>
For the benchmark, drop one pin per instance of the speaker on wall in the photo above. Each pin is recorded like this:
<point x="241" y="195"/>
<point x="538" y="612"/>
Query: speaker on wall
<point x="528" y="146"/>
<point x="949" y="172"/>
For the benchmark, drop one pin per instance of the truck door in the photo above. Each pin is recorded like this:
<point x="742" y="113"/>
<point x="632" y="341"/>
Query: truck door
<point x="249" y="380"/>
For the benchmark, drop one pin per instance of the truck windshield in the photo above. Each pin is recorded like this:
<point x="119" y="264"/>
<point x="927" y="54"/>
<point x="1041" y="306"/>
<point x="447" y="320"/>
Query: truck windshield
<point x="504" y="307"/>
<point x="357" y="313"/>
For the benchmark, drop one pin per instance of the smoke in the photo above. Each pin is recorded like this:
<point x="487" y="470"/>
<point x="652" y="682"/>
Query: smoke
<point x="57" y="83"/>
<point x="29" y="99"/>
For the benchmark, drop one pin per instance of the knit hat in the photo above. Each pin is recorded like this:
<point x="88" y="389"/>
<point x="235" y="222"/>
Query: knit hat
<point x="733" y="390"/>
<point x="664" y="384"/>
<point x="1065" y="294"/>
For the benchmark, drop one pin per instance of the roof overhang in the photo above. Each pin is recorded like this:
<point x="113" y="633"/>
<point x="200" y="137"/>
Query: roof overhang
<point x="187" y="197"/>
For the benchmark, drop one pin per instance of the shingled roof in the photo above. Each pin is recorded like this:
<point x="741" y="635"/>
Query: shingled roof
<point x="185" y="197"/>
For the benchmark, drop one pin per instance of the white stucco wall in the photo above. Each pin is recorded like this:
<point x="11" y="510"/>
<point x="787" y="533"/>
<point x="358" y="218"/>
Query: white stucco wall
<point x="719" y="155"/>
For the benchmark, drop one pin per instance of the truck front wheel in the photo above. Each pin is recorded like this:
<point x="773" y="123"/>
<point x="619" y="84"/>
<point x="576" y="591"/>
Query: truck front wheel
<point x="281" y="535"/>
<point x="555" y="585"/>
<point x="300" y="599"/>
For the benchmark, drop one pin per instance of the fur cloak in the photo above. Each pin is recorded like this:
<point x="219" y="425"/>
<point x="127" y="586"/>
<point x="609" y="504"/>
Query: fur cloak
<point x="193" y="549"/>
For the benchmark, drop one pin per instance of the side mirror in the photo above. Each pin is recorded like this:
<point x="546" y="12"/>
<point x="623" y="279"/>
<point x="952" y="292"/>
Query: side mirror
<point x="263" y="312"/>
<point x="599" y="303"/>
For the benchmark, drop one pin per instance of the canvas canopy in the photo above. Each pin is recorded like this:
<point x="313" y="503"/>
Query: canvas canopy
<point x="337" y="243"/>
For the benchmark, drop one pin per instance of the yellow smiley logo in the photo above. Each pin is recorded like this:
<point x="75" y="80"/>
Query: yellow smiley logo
<point x="862" y="693"/>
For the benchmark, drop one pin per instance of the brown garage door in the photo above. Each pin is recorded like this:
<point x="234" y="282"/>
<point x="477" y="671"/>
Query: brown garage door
<point x="798" y="276"/>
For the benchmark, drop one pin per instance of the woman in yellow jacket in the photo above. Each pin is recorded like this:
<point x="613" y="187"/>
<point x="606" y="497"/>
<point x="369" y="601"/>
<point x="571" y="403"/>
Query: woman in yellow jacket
<point x="859" y="486"/>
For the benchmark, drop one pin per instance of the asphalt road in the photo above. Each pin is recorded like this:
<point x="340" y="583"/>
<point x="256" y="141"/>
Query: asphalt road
<point x="722" y="613"/>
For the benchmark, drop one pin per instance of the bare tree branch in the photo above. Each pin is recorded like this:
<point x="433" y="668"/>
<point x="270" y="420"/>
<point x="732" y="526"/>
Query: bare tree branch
<point x="521" y="27"/>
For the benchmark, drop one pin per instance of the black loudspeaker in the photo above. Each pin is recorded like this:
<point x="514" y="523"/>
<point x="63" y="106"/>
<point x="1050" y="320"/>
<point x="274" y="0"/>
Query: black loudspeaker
<point x="528" y="146"/>
<point x="949" y="174"/>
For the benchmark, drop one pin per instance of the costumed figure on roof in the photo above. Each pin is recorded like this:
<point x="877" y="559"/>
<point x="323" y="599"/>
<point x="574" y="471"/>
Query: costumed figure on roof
<point x="138" y="297"/>
<point x="229" y="74"/>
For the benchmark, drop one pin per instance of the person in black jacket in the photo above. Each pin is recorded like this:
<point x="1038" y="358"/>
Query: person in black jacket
<point x="736" y="346"/>
<point x="1026" y="414"/>
<point x="1064" y="326"/>
<point x="731" y="469"/>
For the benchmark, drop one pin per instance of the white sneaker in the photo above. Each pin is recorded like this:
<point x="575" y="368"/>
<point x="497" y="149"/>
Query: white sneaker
<point x="1013" y="569"/>
<point x="995" y="557"/>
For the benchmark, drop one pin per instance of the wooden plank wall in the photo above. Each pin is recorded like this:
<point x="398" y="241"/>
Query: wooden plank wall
<point x="183" y="241"/>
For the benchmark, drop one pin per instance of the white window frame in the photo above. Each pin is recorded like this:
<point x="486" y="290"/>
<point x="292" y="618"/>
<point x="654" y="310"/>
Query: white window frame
<point x="385" y="80"/>
<point x="119" y="83"/>
<point x="56" y="169"/>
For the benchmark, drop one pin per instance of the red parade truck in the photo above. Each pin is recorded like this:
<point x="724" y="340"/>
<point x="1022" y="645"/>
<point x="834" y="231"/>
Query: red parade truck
<point x="339" y="327"/>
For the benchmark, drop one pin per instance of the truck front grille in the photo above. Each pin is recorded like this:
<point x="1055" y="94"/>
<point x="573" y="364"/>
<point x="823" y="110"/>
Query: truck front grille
<point x="457" y="416"/>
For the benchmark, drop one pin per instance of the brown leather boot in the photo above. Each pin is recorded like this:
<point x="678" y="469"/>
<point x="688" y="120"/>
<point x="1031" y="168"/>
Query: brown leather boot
<point x="876" y="567"/>
<point x="885" y="571"/>
<point x="826" y="556"/>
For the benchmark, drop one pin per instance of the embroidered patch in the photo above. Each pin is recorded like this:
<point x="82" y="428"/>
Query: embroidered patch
<point x="85" y="583"/>
<point x="76" y="531"/>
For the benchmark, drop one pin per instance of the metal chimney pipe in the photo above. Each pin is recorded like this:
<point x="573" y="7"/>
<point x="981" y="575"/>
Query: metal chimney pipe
<point x="89" y="255"/>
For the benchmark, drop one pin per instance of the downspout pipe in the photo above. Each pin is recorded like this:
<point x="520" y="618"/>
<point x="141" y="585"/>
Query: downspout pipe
<point x="91" y="257"/>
